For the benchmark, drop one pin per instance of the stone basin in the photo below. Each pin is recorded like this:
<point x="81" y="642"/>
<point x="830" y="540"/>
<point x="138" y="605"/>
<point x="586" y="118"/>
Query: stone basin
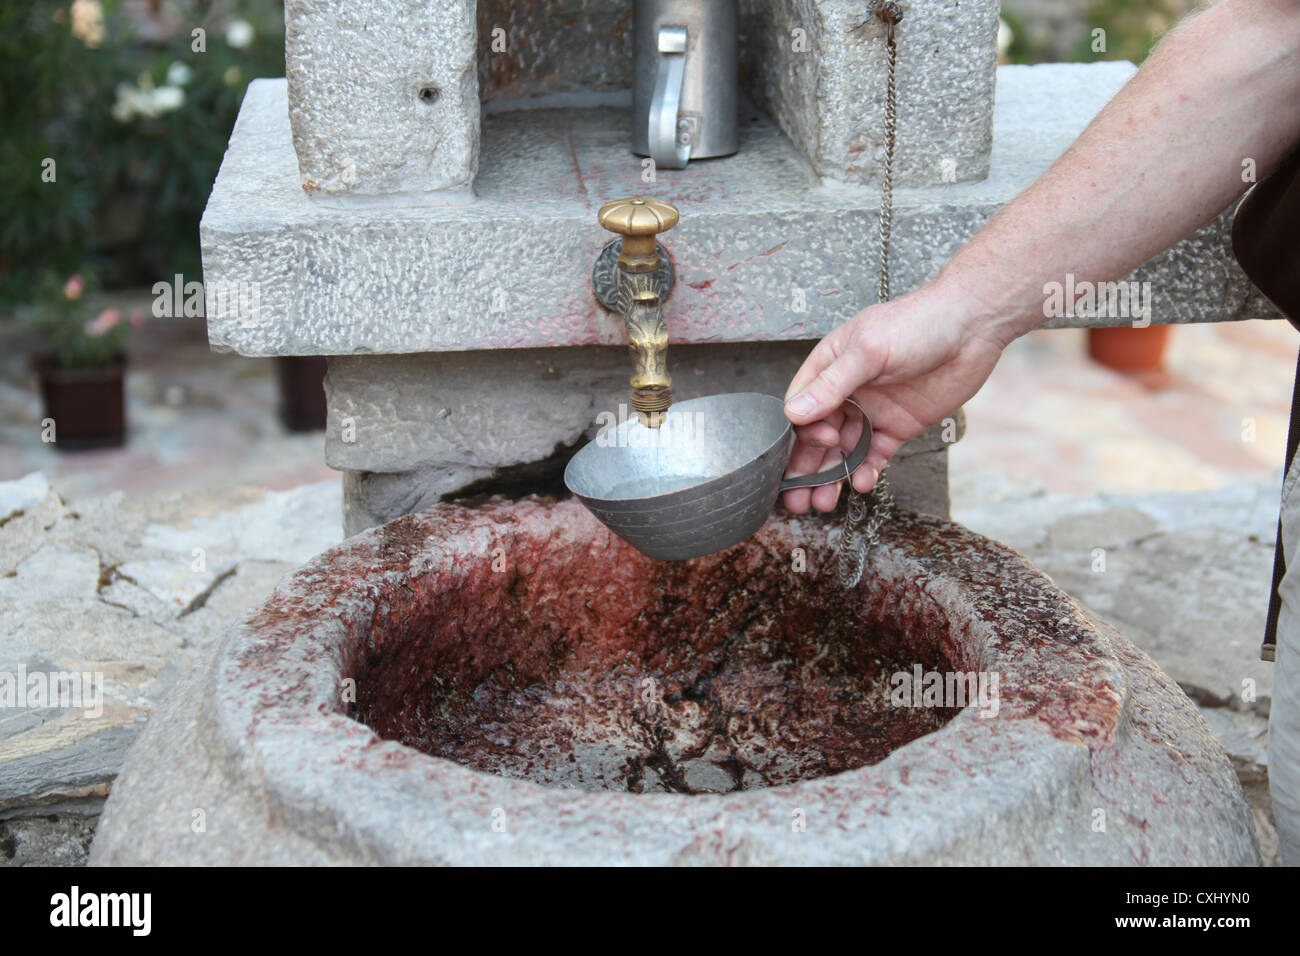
<point x="510" y="683"/>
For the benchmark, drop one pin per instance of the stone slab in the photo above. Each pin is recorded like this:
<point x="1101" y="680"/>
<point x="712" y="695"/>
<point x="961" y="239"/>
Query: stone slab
<point x="104" y="601"/>
<point x="489" y="409"/>
<point x="764" y="251"/>
<point x="411" y="429"/>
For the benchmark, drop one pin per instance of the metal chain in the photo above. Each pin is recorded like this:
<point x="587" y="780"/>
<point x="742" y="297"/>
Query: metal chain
<point x="891" y="13"/>
<point x="865" y="515"/>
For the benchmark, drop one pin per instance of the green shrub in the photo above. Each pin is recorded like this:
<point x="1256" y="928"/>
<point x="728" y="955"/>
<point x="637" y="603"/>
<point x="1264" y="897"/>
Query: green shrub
<point x="77" y="334"/>
<point x="126" y="114"/>
<point x="1133" y="27"/>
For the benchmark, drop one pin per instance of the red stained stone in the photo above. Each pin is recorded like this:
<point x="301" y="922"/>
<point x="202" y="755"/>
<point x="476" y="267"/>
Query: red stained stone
<point x="525" y="640"/>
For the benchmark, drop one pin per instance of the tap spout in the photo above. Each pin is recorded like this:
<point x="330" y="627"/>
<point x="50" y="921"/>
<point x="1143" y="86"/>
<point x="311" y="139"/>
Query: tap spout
<point x="639" y="288"/>
<point x="647" y="339"/>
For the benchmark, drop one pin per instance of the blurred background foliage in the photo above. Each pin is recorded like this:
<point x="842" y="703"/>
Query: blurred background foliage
<point x="1050" y="31"/>
<point x="134" y="108"/>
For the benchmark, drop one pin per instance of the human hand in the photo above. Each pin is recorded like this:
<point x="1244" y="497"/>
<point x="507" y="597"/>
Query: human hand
<point x="909" y="362"/>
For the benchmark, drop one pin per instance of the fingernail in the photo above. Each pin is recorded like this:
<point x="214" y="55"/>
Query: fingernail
<point x="802" y="404"/>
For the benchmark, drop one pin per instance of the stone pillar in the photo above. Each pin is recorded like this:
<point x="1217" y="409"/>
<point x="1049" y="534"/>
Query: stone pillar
<point x="819" y="70"/>
<point x="383" y="94"/>
<point x="467" y="351"/>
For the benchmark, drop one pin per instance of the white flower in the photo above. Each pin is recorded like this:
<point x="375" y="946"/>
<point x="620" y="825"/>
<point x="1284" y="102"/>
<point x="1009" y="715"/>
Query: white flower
<point x="167" y="98"/>
<point x="1006" y="36"/>
<point x="124" y="107"/>
<point x="150" y="103"/>
<point x="239" y="34"/>
<point x="88" y="22"/>
<point x="178" y="74"/>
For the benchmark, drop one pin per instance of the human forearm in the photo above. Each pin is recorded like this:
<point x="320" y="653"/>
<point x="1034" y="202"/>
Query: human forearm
<point x="1162" y="159"/>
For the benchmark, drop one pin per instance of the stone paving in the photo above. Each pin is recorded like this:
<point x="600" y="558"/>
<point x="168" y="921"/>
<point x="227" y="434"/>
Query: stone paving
<point x="118" y="595"/>
<point x="1062" y="460"/>
<point x="99" y="571"/>
<point x="1051" y="416"/>
<point x="1157" y="509"/>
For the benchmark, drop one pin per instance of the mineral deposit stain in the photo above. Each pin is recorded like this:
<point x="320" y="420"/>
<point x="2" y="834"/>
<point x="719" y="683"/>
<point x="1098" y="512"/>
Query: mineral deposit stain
<point x="747" y="721"/>
<point x="705" y="677"/>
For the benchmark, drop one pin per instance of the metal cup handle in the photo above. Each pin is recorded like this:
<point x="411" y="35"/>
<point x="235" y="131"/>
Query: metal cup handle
<point x="665" y="148"/>
<point x="845" y="468"/>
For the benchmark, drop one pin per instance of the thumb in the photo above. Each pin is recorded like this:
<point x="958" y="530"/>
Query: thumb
<point x="837" y="367"/>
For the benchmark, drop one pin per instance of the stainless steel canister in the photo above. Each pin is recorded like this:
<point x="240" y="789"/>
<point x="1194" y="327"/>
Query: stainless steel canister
<point x="685" y="88"/>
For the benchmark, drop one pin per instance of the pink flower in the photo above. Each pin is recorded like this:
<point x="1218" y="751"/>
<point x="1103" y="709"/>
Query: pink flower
<point x="102" y="323"/>
<point x="137" y="317"/>
<point x="72" y="289"/>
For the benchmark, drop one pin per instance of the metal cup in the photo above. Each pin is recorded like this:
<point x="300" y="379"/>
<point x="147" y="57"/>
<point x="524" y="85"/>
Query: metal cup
<point x="706" y="479"/>
<point x="685" y="91"/>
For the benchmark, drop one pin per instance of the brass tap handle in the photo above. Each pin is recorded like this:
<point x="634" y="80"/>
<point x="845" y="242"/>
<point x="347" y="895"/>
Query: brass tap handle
<point x="639" y="294"/>
<point x="638" y="221"/>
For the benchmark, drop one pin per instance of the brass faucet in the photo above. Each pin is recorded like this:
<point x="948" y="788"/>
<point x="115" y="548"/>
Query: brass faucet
<point x="633" y="276"/>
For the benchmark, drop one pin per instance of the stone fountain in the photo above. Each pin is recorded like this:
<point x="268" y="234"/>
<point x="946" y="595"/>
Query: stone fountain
<point x="511" y="683"/>
<point x="475" y="679"/>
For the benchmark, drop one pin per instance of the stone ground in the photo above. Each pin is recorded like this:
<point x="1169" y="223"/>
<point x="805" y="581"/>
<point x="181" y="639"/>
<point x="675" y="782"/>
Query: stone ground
<point x="128" y="590"/>
<point x="1154" y="508"/>
<point x="206" y="466"/>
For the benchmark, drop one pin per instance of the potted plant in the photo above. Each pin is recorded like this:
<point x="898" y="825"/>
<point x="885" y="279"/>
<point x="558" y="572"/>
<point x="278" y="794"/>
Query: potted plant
<point x="1133" y="350"/>
<point x="82" y="368"/>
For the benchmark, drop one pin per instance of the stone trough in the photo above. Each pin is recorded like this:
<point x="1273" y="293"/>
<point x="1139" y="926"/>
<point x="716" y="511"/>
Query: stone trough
<point x="508" y="683"/>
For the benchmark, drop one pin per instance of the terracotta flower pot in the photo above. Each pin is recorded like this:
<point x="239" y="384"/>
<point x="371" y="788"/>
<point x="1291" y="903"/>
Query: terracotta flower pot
<point x="302" y="392"/>
<point x="1128" y="349"/>
<point x="87" y="404"/>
